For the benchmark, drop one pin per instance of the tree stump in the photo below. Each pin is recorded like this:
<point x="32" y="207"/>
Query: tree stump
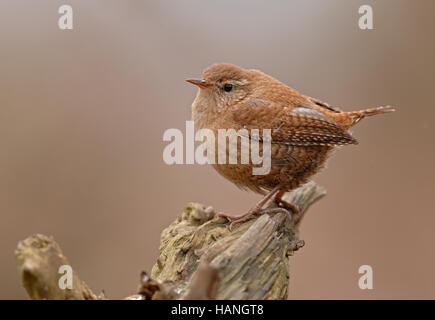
<point x="200" y="257"/>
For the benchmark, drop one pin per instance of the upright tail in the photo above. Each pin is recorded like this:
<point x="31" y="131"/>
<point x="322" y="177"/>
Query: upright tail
<point x="349" y="119"/>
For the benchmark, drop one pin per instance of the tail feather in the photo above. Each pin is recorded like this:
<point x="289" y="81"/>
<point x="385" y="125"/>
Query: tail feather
<point x="354" y="117"/>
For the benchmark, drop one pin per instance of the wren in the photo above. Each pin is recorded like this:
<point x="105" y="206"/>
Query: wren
<point x="304" y="130"/>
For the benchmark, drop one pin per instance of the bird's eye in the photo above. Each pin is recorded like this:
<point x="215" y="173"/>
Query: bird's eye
<point x="228" y="87"/>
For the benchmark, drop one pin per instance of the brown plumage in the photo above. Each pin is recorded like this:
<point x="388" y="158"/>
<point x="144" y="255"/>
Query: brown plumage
<point x="304" y="129"/>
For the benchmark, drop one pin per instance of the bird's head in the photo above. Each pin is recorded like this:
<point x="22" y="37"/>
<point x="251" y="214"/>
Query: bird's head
<point x="224" y="84"/>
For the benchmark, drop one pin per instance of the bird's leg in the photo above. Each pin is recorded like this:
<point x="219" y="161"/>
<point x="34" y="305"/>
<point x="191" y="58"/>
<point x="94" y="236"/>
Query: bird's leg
<point x="253" y="211"/>
<point x="296" y="214"/>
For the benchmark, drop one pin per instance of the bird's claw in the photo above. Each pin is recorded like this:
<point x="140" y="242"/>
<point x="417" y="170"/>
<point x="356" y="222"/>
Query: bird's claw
<point x="235" y="220"/>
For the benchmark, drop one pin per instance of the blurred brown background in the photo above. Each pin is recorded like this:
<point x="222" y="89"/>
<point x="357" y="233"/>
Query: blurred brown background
<point x="82" y="115"/>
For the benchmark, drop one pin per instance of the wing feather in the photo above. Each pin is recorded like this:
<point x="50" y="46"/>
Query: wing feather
<point x="300" y="126"/>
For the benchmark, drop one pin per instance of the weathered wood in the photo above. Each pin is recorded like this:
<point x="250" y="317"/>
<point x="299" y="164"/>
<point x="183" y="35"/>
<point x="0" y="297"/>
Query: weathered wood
<point x="251" y="260"/>
<point x="200" y="258"/>
<point x="39" y="258"/>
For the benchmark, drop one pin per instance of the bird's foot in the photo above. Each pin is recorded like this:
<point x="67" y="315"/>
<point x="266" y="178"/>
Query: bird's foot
<point x="257" y="209"/>
<point x="295" y="212"/>
<point x="250" y="215"/>
<point x="235" y="220"/>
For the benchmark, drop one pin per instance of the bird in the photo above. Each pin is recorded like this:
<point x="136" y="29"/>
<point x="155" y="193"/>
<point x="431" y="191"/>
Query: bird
<point x="304" y="130"/>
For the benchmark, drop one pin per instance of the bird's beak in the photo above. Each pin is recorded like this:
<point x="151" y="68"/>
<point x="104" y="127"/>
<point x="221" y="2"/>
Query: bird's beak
<point x="198" y="82"/>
